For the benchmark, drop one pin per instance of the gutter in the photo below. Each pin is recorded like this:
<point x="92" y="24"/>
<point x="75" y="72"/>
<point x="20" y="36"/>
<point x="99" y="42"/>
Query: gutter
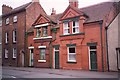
<point x="101" y="40"/>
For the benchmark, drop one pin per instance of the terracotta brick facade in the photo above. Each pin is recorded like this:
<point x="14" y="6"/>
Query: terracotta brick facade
<point x="89" y="41"/>
<point x="26" y="15"/>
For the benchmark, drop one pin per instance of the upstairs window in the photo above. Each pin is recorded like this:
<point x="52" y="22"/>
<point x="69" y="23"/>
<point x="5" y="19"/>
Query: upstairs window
<point x="14" y="36"/>
<point x="6" y="53"/>
<point x="14" y="52"/>
<point x="15" y="19"/>
<point x="38" y="32"/>
<point x="6" y="37"/>
<point x="66" y="28"/>
<point x="75" y="27"/>
<point x="44" y="31"/>
<point x="7" y="21"/>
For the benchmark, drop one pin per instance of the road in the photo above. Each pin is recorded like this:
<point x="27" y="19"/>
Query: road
<point x="23" y="72"/>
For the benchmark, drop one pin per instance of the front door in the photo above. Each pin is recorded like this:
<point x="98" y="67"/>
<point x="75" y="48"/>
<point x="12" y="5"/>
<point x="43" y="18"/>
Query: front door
<point x="93" y="60"/>
<point x="56" y="59"/>
<point x="31" y="58"/>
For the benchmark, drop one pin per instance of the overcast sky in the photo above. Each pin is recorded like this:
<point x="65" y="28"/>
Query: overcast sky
<point x="59" y="5"/>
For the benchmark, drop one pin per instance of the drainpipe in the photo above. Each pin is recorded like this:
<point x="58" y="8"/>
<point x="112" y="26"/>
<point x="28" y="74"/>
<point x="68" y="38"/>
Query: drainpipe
<point x="107" y="48"/>
<point x="54" y="30"/>
<point x="101" y="40"/>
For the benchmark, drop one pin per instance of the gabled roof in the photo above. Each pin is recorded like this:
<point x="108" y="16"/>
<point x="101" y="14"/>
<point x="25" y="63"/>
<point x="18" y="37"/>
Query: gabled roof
<point x="97" y="12"/>
<point x="73" y="8"/>
<point x="18" y="9"/>
<point x="22" y="8"/>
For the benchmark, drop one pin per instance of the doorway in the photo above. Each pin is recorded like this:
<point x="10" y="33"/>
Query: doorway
<point x="92" y="58"/>
<point x="56" y="58"/>
<point x="31" y="58"/>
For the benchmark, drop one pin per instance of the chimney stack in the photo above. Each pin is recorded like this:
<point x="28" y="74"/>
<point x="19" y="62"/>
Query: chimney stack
<point x="73" y="3"/>
<point x="35" y="0"/>
<point x="53" y="11"/>
<point x="6" y="9"/>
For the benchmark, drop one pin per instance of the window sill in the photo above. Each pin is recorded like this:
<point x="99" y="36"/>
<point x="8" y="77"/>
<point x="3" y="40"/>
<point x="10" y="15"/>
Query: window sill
<point x="48" y="37"/>
<point x="72" y="34"/>
<point x="42" y="61"/>
<point x="74" y="62"/>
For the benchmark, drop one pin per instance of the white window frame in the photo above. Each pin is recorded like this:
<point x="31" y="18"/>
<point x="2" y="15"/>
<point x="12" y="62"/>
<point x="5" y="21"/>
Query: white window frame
<point x="7" y="20"/>
<point x="14" y="36"/>
<point x="76" y="22"/>
<point x="42" y="47"/>
<point x="6" y="37"/>
<point x="66" y="27"/>
<point x="71" y="53"/>
<point x="6" y="53"/>
<point x="14" y="52"/>
<point x="15" y="19"/>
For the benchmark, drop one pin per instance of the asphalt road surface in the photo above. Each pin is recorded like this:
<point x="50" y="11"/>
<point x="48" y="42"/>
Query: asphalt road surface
<point x="21" y="72"/>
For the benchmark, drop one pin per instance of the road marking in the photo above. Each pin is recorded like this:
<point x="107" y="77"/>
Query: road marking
<point x="13" y="76"/>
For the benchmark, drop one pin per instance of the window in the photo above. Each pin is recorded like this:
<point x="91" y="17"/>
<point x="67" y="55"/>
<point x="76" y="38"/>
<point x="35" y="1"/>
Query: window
<point x="15" y="19"/>
<point x="42" y="54"/>
<point x="44" y="31"/>
<point x="14" y="36"/>
<point x="41" y="32"/>
<point x="7" y="21"/>
<point x="71" y="54"/>
<point x="66" y="28"/>
<point x="14" y="52"/>
<point x="75" y="28"/>
<point x="38" y="32"/>
<point x="6" y="53"/>
<point x="6" y="37"/>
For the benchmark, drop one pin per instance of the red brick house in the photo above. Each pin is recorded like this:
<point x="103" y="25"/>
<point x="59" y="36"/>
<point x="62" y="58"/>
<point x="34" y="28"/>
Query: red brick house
<point x="73" y="39"/>
<point x="15" y="23"/>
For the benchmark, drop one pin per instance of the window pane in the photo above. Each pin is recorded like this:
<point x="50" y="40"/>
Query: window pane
<point x="73" y="23"/>
<point x="45" y="31"/>
<point x="42" y="54"/>
<point x="77" y="29"/>
<point x="38" y="32"/>
<point x="73" y="30"/>
<point x="92" y="47"/>
<point x="72" y="56"/>
<point x="71" y="50"/>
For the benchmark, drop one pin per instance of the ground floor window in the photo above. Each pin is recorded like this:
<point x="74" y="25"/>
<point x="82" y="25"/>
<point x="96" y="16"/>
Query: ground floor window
<point x="42" y="54"/>
<point x="71" y="54"/>
<point x="14" y="52"/>
<point x="6" y="53"/>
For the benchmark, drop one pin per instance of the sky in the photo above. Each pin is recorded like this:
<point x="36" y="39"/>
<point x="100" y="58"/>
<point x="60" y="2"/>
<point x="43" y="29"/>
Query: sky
<point x="58" y="5"/>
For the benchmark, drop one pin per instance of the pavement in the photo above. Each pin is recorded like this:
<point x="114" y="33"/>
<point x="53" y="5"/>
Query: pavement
<point x="27" y="72"/>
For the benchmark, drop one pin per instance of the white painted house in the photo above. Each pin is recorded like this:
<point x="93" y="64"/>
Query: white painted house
<point x="113" y="40"/>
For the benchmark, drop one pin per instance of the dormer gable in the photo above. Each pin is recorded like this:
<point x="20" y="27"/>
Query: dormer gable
<point x="71" y="12"/>
<point x="41" y="19"/>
